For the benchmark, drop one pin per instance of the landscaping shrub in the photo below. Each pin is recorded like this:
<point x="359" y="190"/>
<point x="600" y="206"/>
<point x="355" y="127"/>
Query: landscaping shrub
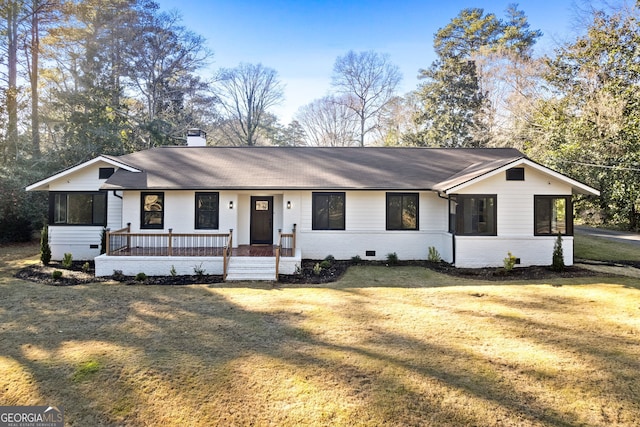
<point x="56" y="275"/>
<point x="434" y="255"/>
<point x="509" y="262"/>
<point x="325" y="264"/>
<point x="392" y="258"/>
<point x="317" y="269"/>
<point x="45" y="249"/>
<point x="67" y="260"/>
<point x="557" y="262"/>
<point x="141" y="277"/>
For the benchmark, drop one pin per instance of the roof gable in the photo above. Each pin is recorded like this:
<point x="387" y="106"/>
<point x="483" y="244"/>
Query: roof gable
<point x="462" y="181"/>
<point x="43" y="185"/>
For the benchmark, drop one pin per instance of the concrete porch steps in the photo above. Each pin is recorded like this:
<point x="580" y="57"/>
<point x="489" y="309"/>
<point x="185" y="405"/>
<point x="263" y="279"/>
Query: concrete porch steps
<point x="251" y="268"/>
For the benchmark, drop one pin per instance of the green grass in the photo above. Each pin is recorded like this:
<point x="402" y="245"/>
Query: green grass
<point x="601" y="249"/>
<point x="383" y="346"/>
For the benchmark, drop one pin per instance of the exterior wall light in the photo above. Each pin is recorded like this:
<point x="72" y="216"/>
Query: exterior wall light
<point x="288" y="204"/>
<point x="231" y="204"/>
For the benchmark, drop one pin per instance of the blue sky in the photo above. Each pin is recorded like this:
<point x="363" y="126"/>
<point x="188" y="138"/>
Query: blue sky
<point x="301" y="39"/>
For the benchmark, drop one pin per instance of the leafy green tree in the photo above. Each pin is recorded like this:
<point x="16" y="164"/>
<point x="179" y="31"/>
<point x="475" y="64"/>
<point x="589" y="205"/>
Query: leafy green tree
<point x="592" y="124"/>
<point x="458" y="87"/>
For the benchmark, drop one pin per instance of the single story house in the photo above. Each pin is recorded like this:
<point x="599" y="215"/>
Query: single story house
<point x="183" y="208"/>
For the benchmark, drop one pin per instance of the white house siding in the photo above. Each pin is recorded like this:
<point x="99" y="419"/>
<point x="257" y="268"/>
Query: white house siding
<point x="365" y="229"/>
<point x="79" y="239"/>
<point x="515" y="231"/>
<point x="76" y="240"/>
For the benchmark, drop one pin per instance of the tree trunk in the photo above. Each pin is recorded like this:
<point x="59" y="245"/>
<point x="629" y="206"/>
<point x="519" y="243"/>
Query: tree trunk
<point x="11" y="150"/>
<point x="35" y="52"/>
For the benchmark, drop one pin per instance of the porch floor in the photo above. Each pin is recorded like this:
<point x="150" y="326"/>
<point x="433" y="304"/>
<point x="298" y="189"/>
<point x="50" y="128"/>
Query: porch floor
<point x="259" y="250"/>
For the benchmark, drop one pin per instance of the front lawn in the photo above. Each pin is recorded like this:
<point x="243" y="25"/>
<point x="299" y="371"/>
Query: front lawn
<point x="383" y="346"/>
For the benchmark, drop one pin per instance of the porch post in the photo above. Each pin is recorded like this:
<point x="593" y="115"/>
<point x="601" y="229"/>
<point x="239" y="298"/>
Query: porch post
<point x="107" y="237"/>
<point x="129" y="235"/>
<point x="170" y="242"/>
<point x="294" y="239"/>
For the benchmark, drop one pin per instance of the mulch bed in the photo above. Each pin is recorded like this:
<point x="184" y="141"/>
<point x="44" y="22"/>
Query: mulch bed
<point x="77" y="275"/>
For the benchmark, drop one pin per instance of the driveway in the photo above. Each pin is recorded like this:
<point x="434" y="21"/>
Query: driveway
<point x="619" y="236"/>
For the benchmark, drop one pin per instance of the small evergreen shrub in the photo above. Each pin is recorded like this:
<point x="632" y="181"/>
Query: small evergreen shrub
<point x="330" y="258"/>
<point x="392" y="258"/>
<point x="325" y="264"/>
<point x="199" y="271"/>
<point x="86" y="267"/>
<point x="103" y="241"/>
<point x="356" y="259"/>
<point x="118" y="275"/>
<point x="434" y="255"/>
<point x="56" y="275"/>
<point x="67" y="260"/>
<point x="173" y="271"/>
<point x="45" y="249"/>
<point x="557" y="262"/>
<point x="141" y="277"/>
<point x="317" y="269"/>
<point x="509" y="262"/>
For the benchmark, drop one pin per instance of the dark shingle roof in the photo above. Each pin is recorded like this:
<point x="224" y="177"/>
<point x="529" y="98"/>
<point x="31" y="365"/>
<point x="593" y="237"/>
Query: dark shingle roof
<point x="371" y="168"/>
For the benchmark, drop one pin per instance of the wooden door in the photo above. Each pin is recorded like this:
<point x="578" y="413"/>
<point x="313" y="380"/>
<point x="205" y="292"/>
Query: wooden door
<point x="261" y="220"/>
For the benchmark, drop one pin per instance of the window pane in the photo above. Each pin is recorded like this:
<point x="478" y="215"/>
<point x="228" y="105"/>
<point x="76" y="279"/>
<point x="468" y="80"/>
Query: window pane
<point x="402" y="211"/>
<point x="79" y="208"/>
<point x="60" y="209"/>
<point x="394" y="212"/>
<point x="207" y="211"/>
<point x="475" y="215"/>
<point x="409" y="211"/>
<point x="328" y="211"/>
<point x="100" y="209"/>
<point x="559" y="216"/>
<point x="321" y="211"/>
<point x="336" y="212"/>
<point x="153" y="210"/>
<point x="552" y="215"/>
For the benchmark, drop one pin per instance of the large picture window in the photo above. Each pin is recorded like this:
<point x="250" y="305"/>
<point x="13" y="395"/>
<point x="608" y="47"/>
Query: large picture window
<point x="402" y="211"/>
<point x="553" y="215"/>
<point x="207" y="209"/>
<point x="328" y="211"/>
<point x="78" y="208"/>
<point x="152" y="208"/>
<point x="473" y="215"/>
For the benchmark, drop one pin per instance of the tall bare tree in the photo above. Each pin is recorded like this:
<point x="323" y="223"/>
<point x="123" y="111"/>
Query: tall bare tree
<point x="11" y="14"/>
<point x="366" y="81"/>
<point x="246" y="93"/>
<point x="328" y="122"/>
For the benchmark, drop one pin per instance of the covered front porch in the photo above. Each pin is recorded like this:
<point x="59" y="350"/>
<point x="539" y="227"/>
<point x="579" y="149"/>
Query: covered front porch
<point x="163" y="254"/>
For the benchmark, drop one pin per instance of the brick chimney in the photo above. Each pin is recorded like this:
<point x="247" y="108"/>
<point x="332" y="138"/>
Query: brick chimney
<point x="196" y="138"/>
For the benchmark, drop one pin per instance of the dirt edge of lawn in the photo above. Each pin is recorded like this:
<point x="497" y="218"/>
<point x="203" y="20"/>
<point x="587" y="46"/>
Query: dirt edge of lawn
<point x="309" y="273"/>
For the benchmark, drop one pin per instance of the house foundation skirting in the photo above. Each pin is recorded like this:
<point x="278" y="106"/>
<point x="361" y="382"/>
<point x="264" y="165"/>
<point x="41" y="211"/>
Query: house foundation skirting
<point x="184" y="266"/>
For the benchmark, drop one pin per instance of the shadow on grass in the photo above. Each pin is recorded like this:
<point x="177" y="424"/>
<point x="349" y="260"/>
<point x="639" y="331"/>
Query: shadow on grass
<point x="195" y="355"/>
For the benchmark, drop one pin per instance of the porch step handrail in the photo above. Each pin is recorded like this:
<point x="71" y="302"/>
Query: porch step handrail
<point x="226" y="257"/>
<point x="285" y="237"/>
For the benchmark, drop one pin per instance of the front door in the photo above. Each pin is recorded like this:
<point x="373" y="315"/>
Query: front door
<point x="261" y="220"/>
